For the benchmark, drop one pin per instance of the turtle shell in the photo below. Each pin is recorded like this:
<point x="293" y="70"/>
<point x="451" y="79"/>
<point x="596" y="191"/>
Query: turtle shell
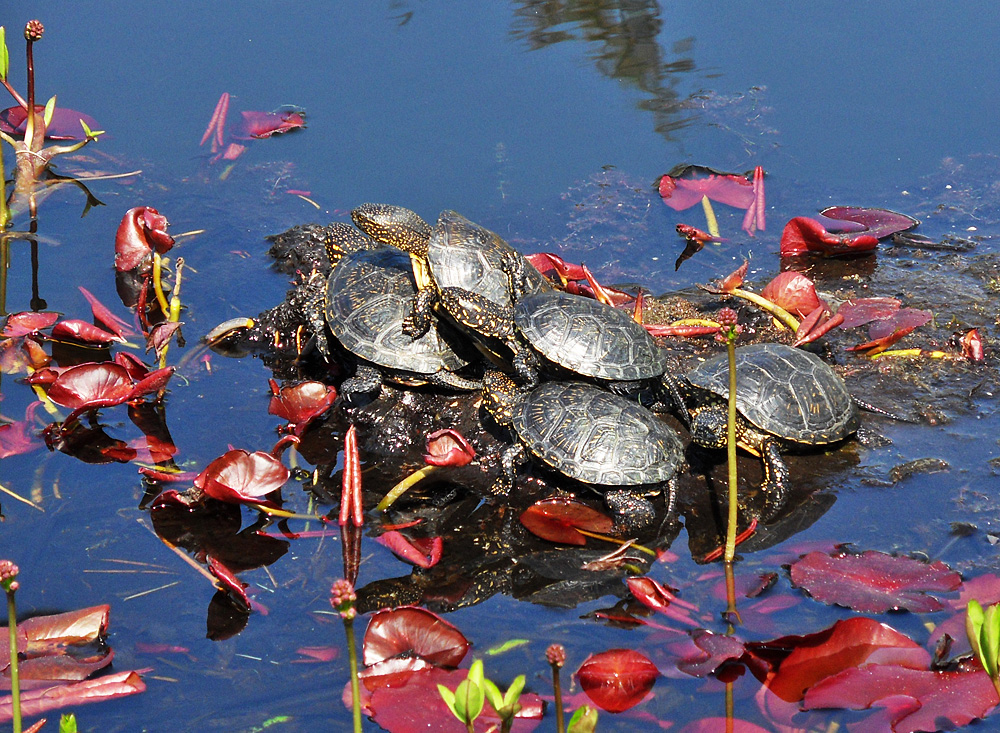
<point x="368" y="295"/>
<point x="588" y="337"/>
<point x="596" y="437"/>
<point x="786" y="392"/>
<point x="462" y="254"/>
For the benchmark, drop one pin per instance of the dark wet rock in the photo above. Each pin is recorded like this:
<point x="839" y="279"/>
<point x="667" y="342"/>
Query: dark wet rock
<point x="920" y="465"/>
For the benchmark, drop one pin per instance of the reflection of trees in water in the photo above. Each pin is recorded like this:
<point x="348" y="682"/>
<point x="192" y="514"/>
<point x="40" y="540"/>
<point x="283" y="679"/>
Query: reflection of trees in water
<point x="625" y="31"/>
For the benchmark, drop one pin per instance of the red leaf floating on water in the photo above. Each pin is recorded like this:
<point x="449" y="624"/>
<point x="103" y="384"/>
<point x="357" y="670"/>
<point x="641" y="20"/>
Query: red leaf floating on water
<point x="617" y="679"/>
<point x="64" y="125"/>
<point x="21" y="324"/>
<point x="874" y="582"/>
<point x="84" y="332"/>
<point x="448" y="448"/>
<point x="233" y="586"/>
<point x="660" y="598"/>
<point x="546" y="261"/>
<point x="415" y="631"/>
<point x="860" y="311"/>
<point x="258" y="125"/>
<point x="942" y="699"/>
<point x="422" y="552"/>
<point x="37" y="702"/>
<point x="735" y="278"/>
<point x="794" y="292"/>
<point x="713" y="650"/>
<point x="103" y="314"/>
<point x="239" y="477"/>
<point x="556" y="520"/>
<point x="878" y="223"/>
<point x="300" y="403"/>
<point x="848" y="643"/>
<point x="91" y="386"/>
<point x="876" y="346"/>
<point x="681" y="193"/>
<point x="905" y="318"/>
<point x="803" y="235"/>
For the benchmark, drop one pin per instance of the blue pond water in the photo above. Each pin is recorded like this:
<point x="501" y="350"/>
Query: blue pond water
<point x="548" y="122"/>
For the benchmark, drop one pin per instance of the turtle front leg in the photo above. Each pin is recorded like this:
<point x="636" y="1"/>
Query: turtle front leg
<point x="775" y="485"/>
<point x="418" y="322"/>
<point x="366" y="380"/>
<point x="510" y="461"/>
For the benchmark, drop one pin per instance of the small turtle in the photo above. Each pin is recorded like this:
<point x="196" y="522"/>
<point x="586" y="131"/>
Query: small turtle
<point x="590" y="339"/>
<point x="368" y="295"/>
<point x="587" y="434"/>
<point x="461" y="268"/>
<point x="785" y="398"/>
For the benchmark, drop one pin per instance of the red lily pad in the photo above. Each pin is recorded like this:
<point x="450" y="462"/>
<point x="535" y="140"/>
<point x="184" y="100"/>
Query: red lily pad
<point x="557" y="520"/>
<point x="448" y="447"/>
<point x="239" y="477"/>
<point x="874" y="582"/>
<point x="794" y="292"/>
<point x="91" y="386"/>
<point x="941" y="699"/>
<point x="256" y="125"/>
<point x="803" y="235"/>
<point x="860" y="311"/>
<point x="848" y="643"/>
<point x="904" y="318"/>
<point x="64" y="125"/>
<point x="878" y="223"/>
<point x="617" y="679"/>
<point x="424" y="552"/>
<point x="413" y="631"/>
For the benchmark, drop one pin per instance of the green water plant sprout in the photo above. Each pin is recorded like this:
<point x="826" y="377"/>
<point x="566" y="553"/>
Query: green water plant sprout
<point x="983" y="628"/>
<point x="8" y="581"/>
<point x="467" y="700"/>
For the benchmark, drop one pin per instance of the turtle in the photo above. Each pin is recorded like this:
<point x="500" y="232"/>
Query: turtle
<point x="461" y="268"/>
<point x="588" y="434"/>
<point x="590" y="339"/>
<point x="786" y="398"/>
<point x="369" y="294"/>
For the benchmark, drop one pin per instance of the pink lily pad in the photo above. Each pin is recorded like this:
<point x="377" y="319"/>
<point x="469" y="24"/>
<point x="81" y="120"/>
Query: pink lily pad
<point x="239" y="477"/>
<point x="874" y="582"/>
<point x="878" y="223"/>
<point x="411" y="630"/>
<point x="65" y="123"/>
<point x="617" y="679"/>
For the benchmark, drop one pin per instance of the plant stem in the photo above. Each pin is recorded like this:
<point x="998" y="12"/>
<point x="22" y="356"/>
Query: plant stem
<point x="399" y="489"/>
<point x="15" y="683"/>
<point x="731" y="451"/>
<point x="352" y="654"/>
<point x="710" y="220"/>
<point x="557" y="687"/>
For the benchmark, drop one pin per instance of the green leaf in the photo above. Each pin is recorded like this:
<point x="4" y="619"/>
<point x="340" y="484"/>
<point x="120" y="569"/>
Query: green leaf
<point x="514" y="691"/>
<point x="973" y="628"/>
<point x="990" y="639"/>
<point x="4" y="56"/>
<point x="87" y="131"/>
<point x="50" y="107"/>
<point x="449" y="699"/>
<point x="469" y="699"/>
<point x="476" y="674"/>
<point x="67" y="723"/>
<point x="492" y="693"/>
<point x="506" y="646"/>
<point x="584" y="720"/>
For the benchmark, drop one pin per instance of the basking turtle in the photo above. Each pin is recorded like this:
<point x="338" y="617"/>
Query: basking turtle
<point x="460" y="267"/>
<point x="587" y="434"/>
<point x="785" y="398"/>
<point x="590" y="339"/>
<point x="368" y="295"/>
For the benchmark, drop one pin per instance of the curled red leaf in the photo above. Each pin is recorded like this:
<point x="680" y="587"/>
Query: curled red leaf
<point x="878" y="223"/>
<point x="86" y="333"/>
<point x="803" y="235"/>
<point x="27" y="322"/>
<point x="422" y="552"/>
<point x="239" y="477"/>
<point x="794" y="292"/>
<point x="448" y="447"/>
<point x="546" y="262"/>
<point x="734" y="279"/>
<point x="258" y="125"/>
<point x="972" y="345"/>
<point x="300" y="403"/>
<point x="415" y="632"/>
<point x="141" y="231"/>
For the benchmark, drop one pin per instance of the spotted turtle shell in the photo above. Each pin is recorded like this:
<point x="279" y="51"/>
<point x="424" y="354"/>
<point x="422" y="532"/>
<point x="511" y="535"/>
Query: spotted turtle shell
<point x="595" y="436"/>
<point x="786" y="392"/>
<point x="368" y="295"/>
<point x="462" y="254"/>
<point x="588" y="337"/>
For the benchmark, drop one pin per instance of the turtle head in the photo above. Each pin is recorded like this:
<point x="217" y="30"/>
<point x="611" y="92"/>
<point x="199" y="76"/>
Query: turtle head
<point x="499" y="396"/>
<point x="708" y="426"/>
<point x="342" y="239"/>
<point x="394" y="226"/>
